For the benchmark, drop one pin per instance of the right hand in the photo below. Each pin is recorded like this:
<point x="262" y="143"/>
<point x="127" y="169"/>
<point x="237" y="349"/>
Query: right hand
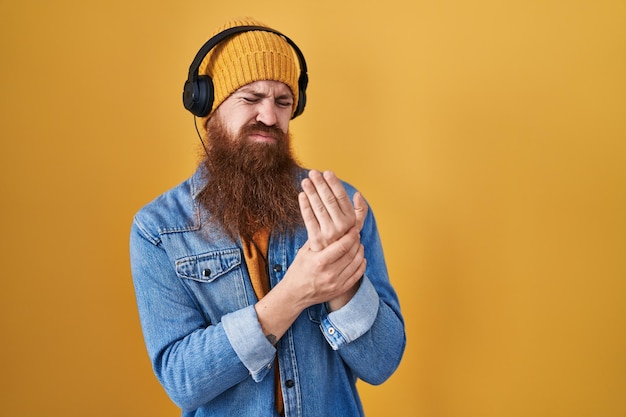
<point x="319" y="276"/>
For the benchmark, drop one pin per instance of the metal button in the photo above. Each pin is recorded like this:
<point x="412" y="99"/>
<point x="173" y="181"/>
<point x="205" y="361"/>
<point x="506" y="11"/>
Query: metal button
<point x="277" y="268"/>
<point x="289" y="383"/>
<point x="206" y="272"/>
<point x="331" y="331"/>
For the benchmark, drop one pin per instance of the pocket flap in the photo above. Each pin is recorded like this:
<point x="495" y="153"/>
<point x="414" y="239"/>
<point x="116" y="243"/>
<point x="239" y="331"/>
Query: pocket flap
<point x="207" y="267"/>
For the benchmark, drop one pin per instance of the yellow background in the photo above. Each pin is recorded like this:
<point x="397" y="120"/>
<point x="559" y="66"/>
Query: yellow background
<point x="489" y="137"/>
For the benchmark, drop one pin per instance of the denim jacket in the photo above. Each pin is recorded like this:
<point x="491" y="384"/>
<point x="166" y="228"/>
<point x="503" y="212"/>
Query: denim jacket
<point x="196" y="306"/>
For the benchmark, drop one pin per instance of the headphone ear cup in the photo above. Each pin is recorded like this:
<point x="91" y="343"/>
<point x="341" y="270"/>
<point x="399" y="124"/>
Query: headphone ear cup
<point x="198" y="92"/>
<point x="303" y="82"/>
<point x="198" y="95"/>
<point x="300" y="105"/>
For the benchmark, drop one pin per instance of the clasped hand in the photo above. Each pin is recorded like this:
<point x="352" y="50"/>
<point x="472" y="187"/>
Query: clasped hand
<point x="330" y="264"/>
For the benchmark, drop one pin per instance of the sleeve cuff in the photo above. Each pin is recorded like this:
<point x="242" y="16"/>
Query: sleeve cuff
<point x="352" y="320"/>
<point x="248" y="341"/>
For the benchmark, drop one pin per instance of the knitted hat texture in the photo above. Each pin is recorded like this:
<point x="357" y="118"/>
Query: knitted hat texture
<point x="247" y="57"/>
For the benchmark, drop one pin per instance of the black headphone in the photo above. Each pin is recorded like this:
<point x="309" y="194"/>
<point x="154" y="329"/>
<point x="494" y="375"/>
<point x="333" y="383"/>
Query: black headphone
<point x="198" y="91"/>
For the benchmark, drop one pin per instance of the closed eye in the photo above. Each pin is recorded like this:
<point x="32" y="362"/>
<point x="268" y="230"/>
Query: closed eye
<point x="285" y="100"/>
<point x="284" y="103"/>
<point x="251" y="100"/>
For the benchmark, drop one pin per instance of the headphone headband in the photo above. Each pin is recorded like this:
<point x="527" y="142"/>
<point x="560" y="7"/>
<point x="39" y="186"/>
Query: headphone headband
<point x="198" y="91"/>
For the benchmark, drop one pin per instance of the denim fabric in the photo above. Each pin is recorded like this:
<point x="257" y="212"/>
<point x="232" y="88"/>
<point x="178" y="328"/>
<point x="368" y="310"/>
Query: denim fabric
<point x="207" y="348"/>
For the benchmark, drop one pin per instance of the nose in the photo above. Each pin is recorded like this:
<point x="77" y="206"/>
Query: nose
<point x="267" y="113"/>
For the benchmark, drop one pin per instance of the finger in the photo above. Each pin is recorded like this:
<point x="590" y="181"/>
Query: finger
<point x="360" y="210"/>
<point x="343" y="248"/>
<point x="310" y="223"/>
<point x="339" y="191"/>
<point x="318" y="207"/>
<point x="355" y="269"/>
<point x="333" y="196"/>
<point x="306" y="211"/>
<point x="352" y="267"/>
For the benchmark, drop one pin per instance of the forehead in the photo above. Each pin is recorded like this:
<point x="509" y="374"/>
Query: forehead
<point x="266" y="88"/>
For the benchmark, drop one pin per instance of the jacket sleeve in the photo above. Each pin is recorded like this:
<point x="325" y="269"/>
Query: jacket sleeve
<point x="193" y="359"/>
<point x="368" y="332"/>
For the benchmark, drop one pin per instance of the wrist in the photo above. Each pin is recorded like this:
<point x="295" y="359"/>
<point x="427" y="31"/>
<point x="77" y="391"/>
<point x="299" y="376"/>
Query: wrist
<point x="340" y="301"/>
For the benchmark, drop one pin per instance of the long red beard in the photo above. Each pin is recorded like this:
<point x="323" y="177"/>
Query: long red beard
<point x="251" y="185"/>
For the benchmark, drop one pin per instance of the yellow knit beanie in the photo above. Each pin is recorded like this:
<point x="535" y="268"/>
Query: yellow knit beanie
<point x="247" y="57"/>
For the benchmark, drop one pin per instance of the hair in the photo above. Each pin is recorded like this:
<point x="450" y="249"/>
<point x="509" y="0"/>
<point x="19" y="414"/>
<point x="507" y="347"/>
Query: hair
<point x="250" y="186"/>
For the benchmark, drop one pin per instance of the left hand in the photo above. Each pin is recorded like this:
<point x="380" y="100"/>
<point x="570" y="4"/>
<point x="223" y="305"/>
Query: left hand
<point x="328" y="215"/>
<point x="326" y="209"/>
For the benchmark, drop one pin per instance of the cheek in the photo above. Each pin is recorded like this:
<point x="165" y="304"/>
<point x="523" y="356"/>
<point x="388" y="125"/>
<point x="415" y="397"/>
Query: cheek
<point x="233" y="126"/>
<point x="283" y="123"/>
<point x="232" y="119"/>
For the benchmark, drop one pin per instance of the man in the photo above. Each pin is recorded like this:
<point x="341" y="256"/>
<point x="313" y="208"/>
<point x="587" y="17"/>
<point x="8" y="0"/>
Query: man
<point x="262" y="287"/>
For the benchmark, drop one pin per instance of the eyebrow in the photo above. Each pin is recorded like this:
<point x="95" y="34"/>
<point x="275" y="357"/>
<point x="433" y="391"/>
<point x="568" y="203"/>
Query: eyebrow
<point x="248" y="90"/>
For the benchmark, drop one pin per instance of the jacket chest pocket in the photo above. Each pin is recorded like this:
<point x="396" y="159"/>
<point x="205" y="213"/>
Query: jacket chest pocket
<point x="217" y="281"/>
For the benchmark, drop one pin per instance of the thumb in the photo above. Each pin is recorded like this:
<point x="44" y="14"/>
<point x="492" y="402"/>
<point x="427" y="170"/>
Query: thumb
<point x="360" y="209"/>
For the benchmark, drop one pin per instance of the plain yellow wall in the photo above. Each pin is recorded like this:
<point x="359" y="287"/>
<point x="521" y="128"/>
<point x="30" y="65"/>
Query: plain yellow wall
<point x="489" y="137"/>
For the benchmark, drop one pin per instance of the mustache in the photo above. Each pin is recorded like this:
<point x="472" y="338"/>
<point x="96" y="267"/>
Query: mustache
<point x="250" y="187"/>
<point x="257" y="127"/>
